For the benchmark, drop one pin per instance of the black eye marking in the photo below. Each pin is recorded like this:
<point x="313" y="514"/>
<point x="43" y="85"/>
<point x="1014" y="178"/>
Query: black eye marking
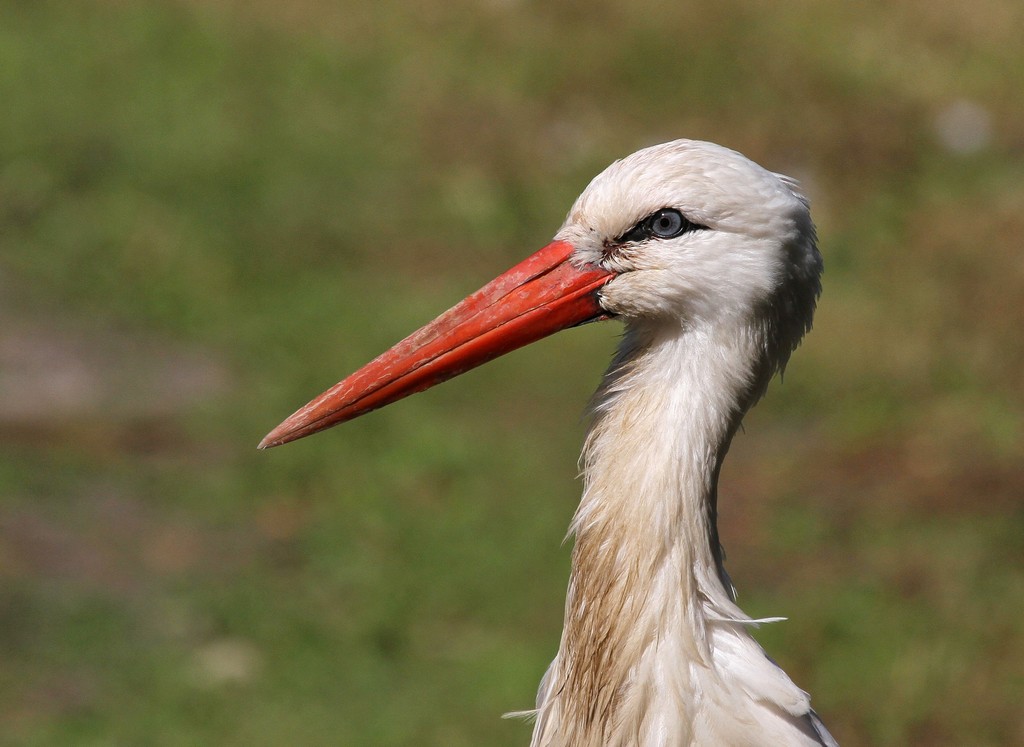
<point x="667" y="223"/>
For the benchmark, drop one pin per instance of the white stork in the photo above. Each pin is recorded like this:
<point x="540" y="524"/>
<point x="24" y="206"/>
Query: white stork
<point x="711" y="262"/>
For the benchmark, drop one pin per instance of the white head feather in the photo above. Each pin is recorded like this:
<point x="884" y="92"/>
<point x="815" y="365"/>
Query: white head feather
<point x="757" y="246"/>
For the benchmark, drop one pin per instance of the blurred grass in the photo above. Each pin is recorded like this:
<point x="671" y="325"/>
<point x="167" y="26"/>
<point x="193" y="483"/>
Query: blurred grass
<point x="272" y="193"/>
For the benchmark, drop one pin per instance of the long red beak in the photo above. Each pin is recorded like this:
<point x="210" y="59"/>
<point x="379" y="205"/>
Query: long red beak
<point x="540" y="296"/>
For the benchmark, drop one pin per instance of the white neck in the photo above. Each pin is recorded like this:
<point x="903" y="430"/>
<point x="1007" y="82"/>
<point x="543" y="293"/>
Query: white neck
<point x="654" y="651"/>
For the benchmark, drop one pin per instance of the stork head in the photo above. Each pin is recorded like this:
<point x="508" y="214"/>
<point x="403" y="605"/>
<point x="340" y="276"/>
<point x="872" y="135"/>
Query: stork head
<point x="698" y="234"/>
<point x="685" y="232"/>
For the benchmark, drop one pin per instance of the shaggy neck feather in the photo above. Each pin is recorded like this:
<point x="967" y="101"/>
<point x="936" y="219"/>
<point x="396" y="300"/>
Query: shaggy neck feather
<point x="662" y="424"/>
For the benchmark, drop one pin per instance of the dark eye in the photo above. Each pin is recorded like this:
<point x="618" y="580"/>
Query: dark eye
<point x="667" y="224"/>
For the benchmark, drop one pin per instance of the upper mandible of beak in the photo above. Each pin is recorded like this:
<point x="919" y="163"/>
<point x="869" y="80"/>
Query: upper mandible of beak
<point x="541" y="295"/>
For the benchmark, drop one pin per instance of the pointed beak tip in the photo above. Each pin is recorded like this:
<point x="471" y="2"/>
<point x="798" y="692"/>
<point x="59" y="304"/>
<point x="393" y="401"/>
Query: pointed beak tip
<point x="275" y="438"/>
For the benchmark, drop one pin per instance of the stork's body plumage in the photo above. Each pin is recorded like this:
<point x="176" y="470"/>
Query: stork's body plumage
<point x="712" y="264"/>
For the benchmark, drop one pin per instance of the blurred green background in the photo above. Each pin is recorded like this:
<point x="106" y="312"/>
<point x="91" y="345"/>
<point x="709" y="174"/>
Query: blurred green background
<point x="211" y="211"/>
